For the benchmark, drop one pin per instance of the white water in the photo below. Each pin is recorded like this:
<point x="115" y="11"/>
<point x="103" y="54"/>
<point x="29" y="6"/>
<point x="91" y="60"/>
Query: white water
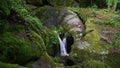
<point x="62" y="46"/>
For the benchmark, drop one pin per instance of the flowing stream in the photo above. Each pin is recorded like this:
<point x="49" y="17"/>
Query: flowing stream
<point x="62" y="46"/>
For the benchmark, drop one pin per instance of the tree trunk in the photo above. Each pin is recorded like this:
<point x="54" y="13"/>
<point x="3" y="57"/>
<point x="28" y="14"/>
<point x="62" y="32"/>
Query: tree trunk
<point x="115" y="6"/>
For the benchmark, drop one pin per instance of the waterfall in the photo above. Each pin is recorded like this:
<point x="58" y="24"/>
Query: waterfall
<point x="62" y="46"/>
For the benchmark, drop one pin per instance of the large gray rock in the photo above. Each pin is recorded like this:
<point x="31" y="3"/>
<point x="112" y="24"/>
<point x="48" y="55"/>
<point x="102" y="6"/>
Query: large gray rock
<point x="52" y="17"/>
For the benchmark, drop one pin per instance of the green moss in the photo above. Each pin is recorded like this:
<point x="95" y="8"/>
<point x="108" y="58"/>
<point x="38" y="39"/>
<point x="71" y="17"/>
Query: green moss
<point x="33" y="22"/>
<point x="94" y="64"/>
<point x="84" y="13"/>
<point x="16" y="46"/>
<point x="47" y="59"/>
<point x="7" y="65"/>
<point x="92" y="52"/>
<point x="78" y="56"/>
<point x="29" y="64"/>
<point x="50" y="39"/>
<point x="30" y="8"/>
<point x="116" y="41"/>
<point x="93" y="37"/>
<point x="113" y="60"/>
<point x="19" y="7"/>
<point x="74" y="66"/>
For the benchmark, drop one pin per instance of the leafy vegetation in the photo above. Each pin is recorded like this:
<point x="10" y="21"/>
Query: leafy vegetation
<point x="113" y="22"/>
<point x="4" y="9"/>
<point x="116" y="40"/>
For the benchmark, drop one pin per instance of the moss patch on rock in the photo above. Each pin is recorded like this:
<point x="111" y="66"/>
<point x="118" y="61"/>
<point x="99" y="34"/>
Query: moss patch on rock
<point x="16" y="45"/>
<point x="94" y="64"/>
<point x="94" y="37"/>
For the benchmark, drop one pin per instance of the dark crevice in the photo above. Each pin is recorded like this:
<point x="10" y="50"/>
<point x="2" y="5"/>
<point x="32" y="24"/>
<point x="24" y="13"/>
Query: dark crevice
<point x="70" y="41"/>
<point x="83" y="21"/>
<point x="14" y="18"/>
<point x="68" y="62"/>
<point x="43" y="3"/>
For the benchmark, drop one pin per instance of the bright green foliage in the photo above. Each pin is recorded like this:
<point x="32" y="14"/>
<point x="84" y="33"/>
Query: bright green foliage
<point x="33" y="22"/>
<point x="113" y="22"/>
<point x="19" y="7"/>
<point x="116" y="40"/>
<point x="111" y="2"/>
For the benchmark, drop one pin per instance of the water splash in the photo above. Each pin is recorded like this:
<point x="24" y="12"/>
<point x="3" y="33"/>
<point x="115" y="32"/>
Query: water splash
<point x="62" y="46"/>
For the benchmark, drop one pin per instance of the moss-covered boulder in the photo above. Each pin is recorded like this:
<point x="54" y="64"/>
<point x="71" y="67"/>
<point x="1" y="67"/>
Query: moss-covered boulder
<point x="17" y="46"/>
<point x="22" y="37"/>
<point x="90" y="47"/>
<point x="56" y="17"/>
<point x="44" y="62"/>
<point x="83" y="13"/>
<point x="78" y="56"/>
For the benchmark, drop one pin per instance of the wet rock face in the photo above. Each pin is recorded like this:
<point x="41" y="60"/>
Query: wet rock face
<point x="69" y="43"/>
<point x="74" y="21"/>
<point x="55" y="17"/>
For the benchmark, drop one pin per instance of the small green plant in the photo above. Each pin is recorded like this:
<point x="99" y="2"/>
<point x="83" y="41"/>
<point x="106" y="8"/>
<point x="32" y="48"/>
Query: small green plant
<point x="113" y="22"/>
<point x="94" y="7"/>
<point x="116" y="39"/>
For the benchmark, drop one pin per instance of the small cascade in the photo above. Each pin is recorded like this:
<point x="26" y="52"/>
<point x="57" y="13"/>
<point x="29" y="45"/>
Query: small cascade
<point x="63" y="46"/>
